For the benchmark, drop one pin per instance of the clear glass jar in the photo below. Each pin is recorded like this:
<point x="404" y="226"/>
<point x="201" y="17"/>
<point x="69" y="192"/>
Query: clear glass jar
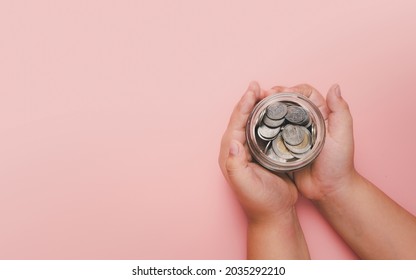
<point x="258" y="146"/>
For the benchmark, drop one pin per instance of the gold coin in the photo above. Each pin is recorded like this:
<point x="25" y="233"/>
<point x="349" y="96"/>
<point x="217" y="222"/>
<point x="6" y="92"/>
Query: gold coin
<point x="304" y="146"/>
<point x="280" y="149"/>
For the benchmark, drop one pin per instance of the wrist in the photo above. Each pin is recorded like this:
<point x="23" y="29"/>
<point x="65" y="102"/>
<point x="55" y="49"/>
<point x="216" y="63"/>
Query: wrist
<point x="282" y="218"/>
<point x="341" y="188"/>
<point x="276" y="237"/>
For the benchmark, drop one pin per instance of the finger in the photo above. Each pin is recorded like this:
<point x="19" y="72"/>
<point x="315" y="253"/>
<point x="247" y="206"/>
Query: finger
<point x="340" y="119"/>
<point x="237" y="169"/>
<point x="314" y="96"/>
<point x="309" y="92"/>
<point x="244" y="107"/>
<point x="238" y="121"/>
<point x="278" y="89"/>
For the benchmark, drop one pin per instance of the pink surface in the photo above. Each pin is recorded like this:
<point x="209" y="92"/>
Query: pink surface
<point x="111" y="115"/>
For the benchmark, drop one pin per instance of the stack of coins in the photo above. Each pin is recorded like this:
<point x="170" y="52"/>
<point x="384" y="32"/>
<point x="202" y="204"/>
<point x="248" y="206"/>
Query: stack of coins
<point x="285" y="131"/>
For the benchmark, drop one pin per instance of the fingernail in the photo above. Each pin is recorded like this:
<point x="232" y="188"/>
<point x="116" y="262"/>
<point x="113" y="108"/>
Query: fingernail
<point x="234" y="149"/>
<point x="337" y="90"/>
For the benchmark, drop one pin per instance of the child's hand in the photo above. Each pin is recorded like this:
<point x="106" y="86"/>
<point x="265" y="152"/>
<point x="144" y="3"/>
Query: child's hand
<point x="262" y="194"/>
<point x="370" y="222"/>
<point x="334" y="167"/>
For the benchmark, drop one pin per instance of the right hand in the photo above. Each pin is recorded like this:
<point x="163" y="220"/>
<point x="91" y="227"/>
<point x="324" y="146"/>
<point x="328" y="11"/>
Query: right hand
<point x="263" y="195"/>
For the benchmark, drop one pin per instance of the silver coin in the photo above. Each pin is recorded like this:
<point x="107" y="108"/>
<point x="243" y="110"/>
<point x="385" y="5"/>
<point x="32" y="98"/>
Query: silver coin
<point x="293" y="134"/>
<point x="273" y="123"/>
<point x="266" y="133"/>
<point x="296" y="114"/>
<point x="307" y="122"/>
<point x="261" y="143"/>
<point x="261" y="116"/>
<point x="272" y="155"/>
<point x="276" y="111"/>
<point x="299" y="156"/>
<point x="268" y="146"/>
<point x="304" y="146"/>
<point x="313" y="132"/>
<point x="279" y="148"/>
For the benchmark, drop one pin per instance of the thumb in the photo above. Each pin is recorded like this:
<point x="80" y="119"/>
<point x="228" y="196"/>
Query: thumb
<point x="238" y="170"/>
<point x="339" y="118"/>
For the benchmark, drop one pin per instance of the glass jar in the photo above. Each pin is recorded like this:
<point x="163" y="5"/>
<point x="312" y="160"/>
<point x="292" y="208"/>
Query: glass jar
<point x="260" y="147"/>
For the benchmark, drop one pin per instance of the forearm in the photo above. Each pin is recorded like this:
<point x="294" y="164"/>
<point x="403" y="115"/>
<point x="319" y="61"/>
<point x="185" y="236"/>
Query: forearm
<point x="373" y="225"/>
<point x="277" y="238"/>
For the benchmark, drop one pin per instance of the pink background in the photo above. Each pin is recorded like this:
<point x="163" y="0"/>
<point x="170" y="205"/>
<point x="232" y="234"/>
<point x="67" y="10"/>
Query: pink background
<point x="111" y="115"/>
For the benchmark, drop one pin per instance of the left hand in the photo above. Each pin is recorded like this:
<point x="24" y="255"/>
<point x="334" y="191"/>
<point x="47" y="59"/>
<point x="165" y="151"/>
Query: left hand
<point x="334" y="168"/>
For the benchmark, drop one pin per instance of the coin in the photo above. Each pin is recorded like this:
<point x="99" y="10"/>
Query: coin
<point x="307" y="122"/>
<point x="273" y="123"/>
<point x="272" y="155"/>
<point x="280" y="149"/>
<point x="266" y="133"/>
<point x="261" y="116"/>
<point x="276" y="111"/>
<point x="268" y="146"/>
<point x="296" y="114"/>
<point x="304" y="146"/>
<point x="293" y="134"/>
<point x="313" y="133"/>
<point x="299" y="156"/>
<point x="262" y="144"/>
